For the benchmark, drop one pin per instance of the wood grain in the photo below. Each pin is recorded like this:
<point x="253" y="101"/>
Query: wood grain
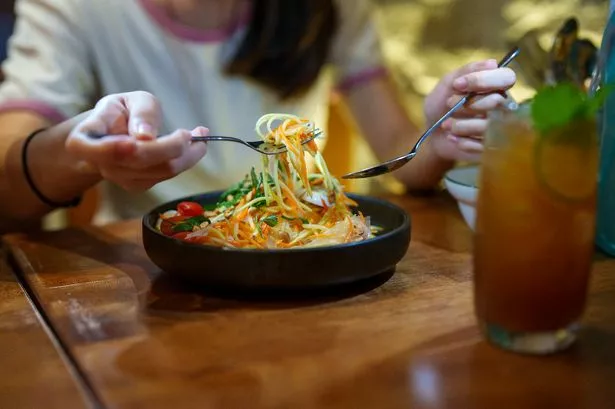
<point x="146" y="340"/>
<point x="32" y="373"/>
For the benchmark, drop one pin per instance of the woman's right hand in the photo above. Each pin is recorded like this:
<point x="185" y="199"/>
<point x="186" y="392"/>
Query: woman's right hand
<point x="119" y="140"/>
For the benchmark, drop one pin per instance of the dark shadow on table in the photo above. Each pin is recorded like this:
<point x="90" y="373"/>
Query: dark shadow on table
<point x="169" y="294"/>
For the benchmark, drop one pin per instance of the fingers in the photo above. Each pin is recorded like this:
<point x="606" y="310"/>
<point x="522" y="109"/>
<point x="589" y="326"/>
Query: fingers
<point x="457" y="148"/>
<point x="466" y="136"/>
<point x="481" y="77"/>
<point x="470" y="127"/>
<point x="466" y="146"/>
<point x="195" y="153"/>
<point x="485" y="81"/>
<point x="143" y="115"/>
<point x="100" y="150"/>
<point x="470" y="146"/>
<point x="477" y="105"/>
<point x="163" y="149"/>
<point x="463" y="140"/>
<point x="162" y="171"/>
<point x="145" y="164"/>
<point x="142" y="179"/>
<point x="125" y="151"/>
<point x="174" y="149"/>
<point x="475" y="66"/>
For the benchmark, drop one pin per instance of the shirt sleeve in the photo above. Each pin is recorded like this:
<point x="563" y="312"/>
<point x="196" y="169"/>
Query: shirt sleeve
<point x="356" y="54"/>
<point x="48" y="66"/>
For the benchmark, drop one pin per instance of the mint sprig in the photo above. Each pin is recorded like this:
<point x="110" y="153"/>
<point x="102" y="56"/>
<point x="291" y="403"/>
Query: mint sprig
<point x="558" y="105"/>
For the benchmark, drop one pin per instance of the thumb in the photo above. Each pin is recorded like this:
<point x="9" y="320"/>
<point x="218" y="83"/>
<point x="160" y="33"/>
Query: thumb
<point x="143" y="115"/>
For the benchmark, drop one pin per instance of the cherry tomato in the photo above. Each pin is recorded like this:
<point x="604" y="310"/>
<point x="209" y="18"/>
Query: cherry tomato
<point x="189" y="209"/>
<point x="181" y="235"/>
<point x="166" y="228"/>
<point x="184" y="236"/>
<point x="177" y="219"/>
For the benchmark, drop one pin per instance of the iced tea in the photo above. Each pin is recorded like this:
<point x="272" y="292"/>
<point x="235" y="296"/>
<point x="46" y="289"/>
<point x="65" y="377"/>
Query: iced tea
<point x="535" y="229"/>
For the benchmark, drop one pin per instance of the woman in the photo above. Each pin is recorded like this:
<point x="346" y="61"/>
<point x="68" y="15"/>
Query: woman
<point x="187" y="63"/>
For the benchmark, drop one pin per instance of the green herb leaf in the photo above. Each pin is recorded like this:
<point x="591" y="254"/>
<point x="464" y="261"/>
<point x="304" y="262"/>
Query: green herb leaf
<point x="260" y="203"/>
<point x="189" y="224"/>
<point x="197" y="220"/>
<point x="224" y="205"/>
<point x="270" y="179"/>
<point x="180" y="227"/>
<point x="290" y="219"/>
<point x="254" y="179"/>
<point x="271" y="220"/>
<point x="556" y="106"/>
<point x="210" y="207"/>
<point x="236" y="192"/>
<point x="231" y="191"/>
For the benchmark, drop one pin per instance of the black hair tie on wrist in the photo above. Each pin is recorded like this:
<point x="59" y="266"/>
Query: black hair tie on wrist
<point x="26" y="171"/>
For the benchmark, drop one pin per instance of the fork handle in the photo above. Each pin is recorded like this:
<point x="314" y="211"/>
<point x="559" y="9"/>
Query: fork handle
<point x="214" y="138"/>
<point x="317" y="133"/>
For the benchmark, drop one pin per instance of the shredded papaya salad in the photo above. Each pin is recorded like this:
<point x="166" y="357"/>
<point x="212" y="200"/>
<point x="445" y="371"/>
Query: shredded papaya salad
<point x="283" y="206"/>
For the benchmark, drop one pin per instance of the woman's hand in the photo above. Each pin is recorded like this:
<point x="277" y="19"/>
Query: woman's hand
<point x="460" y="137"/>
<point x="119" y="140"/>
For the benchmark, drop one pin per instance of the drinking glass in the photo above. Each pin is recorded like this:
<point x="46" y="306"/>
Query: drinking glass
<point x="535" y="226"/>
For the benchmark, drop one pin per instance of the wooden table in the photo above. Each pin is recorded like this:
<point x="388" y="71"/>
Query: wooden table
<point x="33" y="374"/>
<point x="139" y="339"/>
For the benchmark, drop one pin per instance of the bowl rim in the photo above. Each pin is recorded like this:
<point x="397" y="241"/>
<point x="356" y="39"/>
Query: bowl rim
<point x="404" y="225"/>
<point x="448" y="178"/>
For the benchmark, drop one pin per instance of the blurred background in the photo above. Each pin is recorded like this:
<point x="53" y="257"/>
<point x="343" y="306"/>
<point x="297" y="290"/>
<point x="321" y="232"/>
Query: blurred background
<point x="425" y="39"/>
<point x="422" y="41"/>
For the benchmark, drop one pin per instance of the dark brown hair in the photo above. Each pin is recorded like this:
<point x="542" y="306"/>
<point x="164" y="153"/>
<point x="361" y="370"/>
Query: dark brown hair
<point x="286" y="44"/>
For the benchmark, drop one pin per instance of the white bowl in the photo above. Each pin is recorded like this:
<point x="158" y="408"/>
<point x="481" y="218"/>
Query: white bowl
<point x="462" y="185"/>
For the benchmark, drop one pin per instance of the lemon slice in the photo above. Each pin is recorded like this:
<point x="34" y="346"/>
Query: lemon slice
<point x="566" y="161"/>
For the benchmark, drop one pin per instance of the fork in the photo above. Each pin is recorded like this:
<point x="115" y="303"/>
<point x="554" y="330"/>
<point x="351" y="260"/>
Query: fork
<point x="259" y="146"/>
<point x="394" y="164"/>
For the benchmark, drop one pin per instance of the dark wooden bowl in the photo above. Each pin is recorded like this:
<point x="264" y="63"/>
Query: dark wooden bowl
<point x="297" y="269"/>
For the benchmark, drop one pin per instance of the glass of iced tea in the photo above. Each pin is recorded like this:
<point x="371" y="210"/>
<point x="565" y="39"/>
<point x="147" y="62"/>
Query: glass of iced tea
<point x="535" y="226"/>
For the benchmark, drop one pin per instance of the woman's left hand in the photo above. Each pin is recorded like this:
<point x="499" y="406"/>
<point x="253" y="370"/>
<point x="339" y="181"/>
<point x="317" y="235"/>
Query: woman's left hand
<point x="460" y="137"/>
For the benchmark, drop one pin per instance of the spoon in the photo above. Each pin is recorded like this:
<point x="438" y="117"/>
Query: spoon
<point x="393" y="164"/>
<point x="259" y="146"/>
